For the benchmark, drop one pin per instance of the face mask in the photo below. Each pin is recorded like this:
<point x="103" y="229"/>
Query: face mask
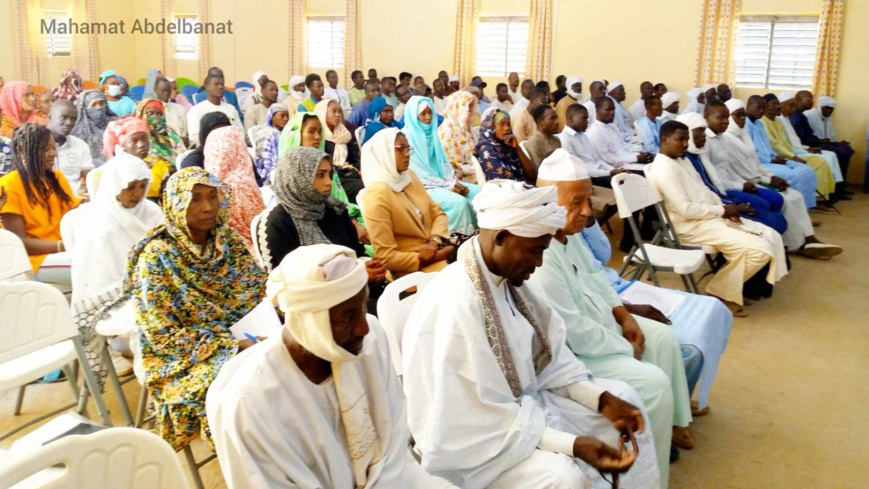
<point x="157" y="123"/>
<point x="114" y="90"/>
<point x="98" y="116"/>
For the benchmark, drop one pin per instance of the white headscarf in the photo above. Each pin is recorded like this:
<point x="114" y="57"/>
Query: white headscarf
<point x="569" y="84"/>
<point x="298" y="96"/>
<point x="308" y="282"/>
<point x="668" y="99"/>
<point x="256" y="76"/>
<point x="522" y="210"/>
<point x="826" y="102"/>
<point x="378" y="161"/>
<point x="733" y="105"/>
<point x="693" y="120"/>
<point x="562" y="166"/>
<point x="693" y="104"/>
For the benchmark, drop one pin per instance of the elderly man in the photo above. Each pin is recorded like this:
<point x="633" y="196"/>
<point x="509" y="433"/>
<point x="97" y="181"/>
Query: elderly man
<point x="700" y="217"/>
<point x="317" y="404"/>
<point x="616" y="92"/>
<point x="638" y="109"/>
<point x="601" y="331"/>
<point x="495" y="397"/>
<point x="803" y="102"/>
<point x="573" y="90"/>
<point x="821" y="121"/>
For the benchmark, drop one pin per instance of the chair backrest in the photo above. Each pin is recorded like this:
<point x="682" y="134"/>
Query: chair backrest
<point x="35" y="315"/>
<point x="478" y="170"/>
<point x="199" y="96"/>
<point x="243" y="84"/>
<point x="243" y="94"/>
<point x="189" y="91"/>
<point x="360" y="133"/>
<point x="522" y="146"/>
<point x="254" y="227"/>
<point x="633" y="193"/>
<point x="136" y="92"/>
<point x="252" y="132"/>
<point x="67" y="226"/>
<point x="13" y="256"/>
<point x="392" y="310"/>
<point x="122" y="458"/>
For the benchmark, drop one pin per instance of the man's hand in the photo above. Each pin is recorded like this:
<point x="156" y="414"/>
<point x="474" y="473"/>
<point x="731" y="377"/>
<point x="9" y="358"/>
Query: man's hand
<point x="846" y="143"/>
<point x="814" y="150"/>
<point x="376" y="270"/>
<point x="644" y="158"/>
<point x="798" y="159"/>
<point x="734" y="210"/>
<point x="749" y="188"/>
<point x="460" y="189"/>
<point x="601" y="456"/>
<point x="779" y="160"/>
<point x="632" y="332"/>
<point x="825" y="141"/>
<point x="779" y="183"/>
<point x="627" y="418"/>
<point x="617" y="171"/>
<point x="247" y="343"/>
<point x="648" y="312"/>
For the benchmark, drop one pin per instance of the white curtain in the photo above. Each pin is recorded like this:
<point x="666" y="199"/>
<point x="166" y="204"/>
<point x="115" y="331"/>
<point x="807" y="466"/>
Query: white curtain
<point x="467" y="19"/>
<point x="538" y="61"/>
<point x="30" y="44"/>
<point x="352" y="42"/>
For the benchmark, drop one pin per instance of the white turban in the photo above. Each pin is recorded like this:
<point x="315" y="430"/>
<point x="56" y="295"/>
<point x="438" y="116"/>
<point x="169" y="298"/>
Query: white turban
<point x="693" y="120"/>
<point x="612" y="86"/>
<point x="734" y="104"/>
<point x="826" y="102"/>
<point x="669" y="98"/>
<point x="524" y="211"/>
<point x="694" y="93"/>
<point x="569" y="84"/>
<point x="454" y="78"/>
<point x="562" y="166"/>
<point x="785" y="96"/>
<point x="256" y="76"/>
<point x="308" y="282"/>
<point x="298" y="96"/>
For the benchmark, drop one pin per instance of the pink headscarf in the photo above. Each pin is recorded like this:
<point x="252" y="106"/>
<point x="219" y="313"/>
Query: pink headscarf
<point x="118" y="131"/>
<point x="11" y="101"/>
<point x="227" y="158"/>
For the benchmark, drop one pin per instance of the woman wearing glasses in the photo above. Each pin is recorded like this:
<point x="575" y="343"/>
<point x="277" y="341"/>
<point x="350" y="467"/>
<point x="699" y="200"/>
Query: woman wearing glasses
<point x="406" y="227"/>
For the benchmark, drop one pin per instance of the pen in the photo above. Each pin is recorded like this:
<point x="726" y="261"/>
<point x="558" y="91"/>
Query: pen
<point x="251" y="337"/>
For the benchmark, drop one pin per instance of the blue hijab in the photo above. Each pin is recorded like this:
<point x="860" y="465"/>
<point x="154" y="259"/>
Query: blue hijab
<point x="373" y="124"/>
<point x="428" y="161"/>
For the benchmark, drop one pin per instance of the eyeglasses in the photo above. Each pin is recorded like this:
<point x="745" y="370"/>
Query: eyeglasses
<point x="405" y="149"/>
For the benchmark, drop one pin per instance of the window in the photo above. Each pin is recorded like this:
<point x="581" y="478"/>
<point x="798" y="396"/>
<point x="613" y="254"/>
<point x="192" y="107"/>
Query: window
<point x="325" y="42"/>
<point x="185" y="44"/>
<point x="58" y="44"/>
<point x="776" y="52"/>
<point x="502" y="44"/>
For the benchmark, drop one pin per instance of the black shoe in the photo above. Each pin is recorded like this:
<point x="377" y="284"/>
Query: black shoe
<point x="844" y="196"/>
<point x="845" y="191"/>
<point x="674" y="454"/>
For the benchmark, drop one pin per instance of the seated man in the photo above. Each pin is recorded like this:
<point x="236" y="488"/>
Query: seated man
<point x="700" y="217"/>
<point x="495" y="397"/>
<point x="670" y="105"/>
<point x="521" y="101"/>
<point x="638" y="109"/>
<point x="601" y="331"/>
<point x="607" y="141"/>
<point x="723" y="92"/>
<point x="502" y="101"/>
<point x="575" y="141"/>
<point x="754" y="111"/>
<point x="649" y="127"/>
<point x="803" y="102"/>
<point x="597" y="91"/>
<point x="522" y="121"/>
<point x="359" y="113"/>
<point x="821" y="121"/>
<point x="738" y="164"/>
<point x="543" y="142"/>
<point x="616" y="92"/>
<point x="573" y="95"/>
<point x="314" y="85"/>
<point x="317" y="404"/>
<point x="781" y="144"/>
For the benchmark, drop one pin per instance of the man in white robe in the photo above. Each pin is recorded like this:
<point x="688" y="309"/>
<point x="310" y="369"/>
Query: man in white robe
<point x="700" y="217"/>
<point x="821" y="118"/>
<point x="616" y="92"/>
<point x="638" y="109"/>
<point x="597" y="91"/>
<point x="495" y="397"/>
<point x="786" y="103"/>
<point x="601" y="331"/>
<point x="607" y="140"/>
<point x="318" y="404"/>
<point x="576" y="142"/>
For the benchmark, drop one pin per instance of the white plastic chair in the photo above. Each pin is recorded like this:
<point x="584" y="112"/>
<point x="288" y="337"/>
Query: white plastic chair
<point x="67" y="226"/>
<point x="37" y="337"/>
<point x="252" y="132"/>
<point x="360" y="135"/>
<point x="634" y="193"/>
<point x="392" y="310"/>
<point x="242" y="94"/>
<point x="478" y="170"/>
<point x="14" y="263"/>
<point x="524" y="150"/>
<point x="118" y="458"/>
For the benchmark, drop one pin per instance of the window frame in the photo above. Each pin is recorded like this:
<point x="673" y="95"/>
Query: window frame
<point x="508" y="19"/>
<point x="773" y="21"/>
<point x="60" y="16"/>
<point x="192" y="55"/>
<point x="337" y="59"/>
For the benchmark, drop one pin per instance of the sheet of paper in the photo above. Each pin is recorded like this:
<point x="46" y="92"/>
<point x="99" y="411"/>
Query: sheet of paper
<point x="262" y="320"/>
<point x="666" y="301"/>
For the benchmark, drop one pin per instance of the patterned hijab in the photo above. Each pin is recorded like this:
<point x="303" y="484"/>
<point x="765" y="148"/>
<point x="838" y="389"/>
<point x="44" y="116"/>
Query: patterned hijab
<point x="226" y="157"/>
<point x="293" y="185"/>
<point x="70" y="86"/>
<point x="455" y="132"/>
<point x="119" y="131"/>
<point x="428" y="159"/>
<point x="497" y="158"/>
<point x="92" y="123"/>
<point x="267" y="143"/>
<point x="11" y="105"/>
<point x="166" y="144"/>
<point x="339" y="136"/>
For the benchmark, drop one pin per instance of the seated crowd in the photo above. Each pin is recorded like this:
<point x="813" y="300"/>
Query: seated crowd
<point x="523" y="365"/>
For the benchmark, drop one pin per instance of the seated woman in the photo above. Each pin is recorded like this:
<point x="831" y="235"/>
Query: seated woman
<point x="456" y="136"/>
<point x="93" y="118"/>
<point x="125" y="135"/>
<point x="105" y="231"/>
<point x="227" y="158"/>
<point x="18" y="104"/>
<point x="341" y="145"/>
<point x="208" y="123"/>
<point x="111" y="86"/>
<point x="429" y="162"/>
<point x="166" y="144"/>
<point x="498" y="150"/>
<point x="406" y="226"/>
<point x="380" y="116"/>
<point x="190" y="280"/>
<point x="37" y="198"/>
<point x="266" y="144"/>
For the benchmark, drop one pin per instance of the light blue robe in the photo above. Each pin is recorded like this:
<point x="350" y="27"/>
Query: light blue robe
<point x="651" y="134"/>
<point x="701" y="321"/>
<point x="798" y="175"/>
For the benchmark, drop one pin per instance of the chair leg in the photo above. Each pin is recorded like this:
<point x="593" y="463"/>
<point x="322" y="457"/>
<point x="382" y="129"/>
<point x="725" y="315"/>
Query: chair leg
<point x="694" y="284"/>
<point x="93" y="386"/>
<point x="116" y="384"/>
<point x="194" y="467"/>
<point x="142" y="407"/>
<point x="19" y="401"/>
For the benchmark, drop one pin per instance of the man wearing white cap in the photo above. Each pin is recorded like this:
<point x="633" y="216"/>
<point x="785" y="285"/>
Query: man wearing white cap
<point x="803" y="102"/>
<point x="601" y="331"/>
<point x="317" y="404"/>
<point x="454" y="83"/>
<point x="821" y="118"/>
<point x="495" y="397"/>
<point x="573" y="87"/>
<point x="670" y="104"/>
<point x="625" y="124"/>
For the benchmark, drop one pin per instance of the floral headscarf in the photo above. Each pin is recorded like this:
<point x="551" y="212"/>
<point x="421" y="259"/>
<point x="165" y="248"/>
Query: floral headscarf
<point x="70" y="86"/>
<point x="499" y="161"/>
<point x="455" y="132"/>
<point x="166" y="144"/>
<point x="91" y="123"/>
<point x="267" y="143"/>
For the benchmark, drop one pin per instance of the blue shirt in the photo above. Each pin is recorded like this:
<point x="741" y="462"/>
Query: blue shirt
<point x="651" y="134"/>
<point x="359" y="113"/>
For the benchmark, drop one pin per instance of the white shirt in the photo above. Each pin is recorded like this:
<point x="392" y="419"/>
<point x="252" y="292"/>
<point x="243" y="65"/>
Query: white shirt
<point x="638" y="110"/>
<point x="176" y="118"/>
<point x="73" y="158"/>
<point x="341" y="96"/>
<point x="592" y="112"/>
<point x="197" y="111"/>
<point x="821" y="126"/>
<point x="399" y="112"/>
<point x="506" y="106"/>
<point x="440" y="104"/>
<point x="517" y="95"/>
<point x="683" y="190"/>
<point x="578" y="144"/>
<point x="518" y="107"/>
<point x="610" y="146"/>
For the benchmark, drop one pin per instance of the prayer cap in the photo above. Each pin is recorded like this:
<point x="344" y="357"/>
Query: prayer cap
<point x="785" y="96"/>
<point x="454" y="78"/>
<point x="295" y="80"/>
<point x="612" y="86"/>
<point x="734" y="104"/>
<point x="669" y="98"/>
<point x="308" y="282"/>
<point x="522" y="210"/>
<point x="562" y="166"/>
<point x="694" y="93"/>
<point x="826" y="102"/>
